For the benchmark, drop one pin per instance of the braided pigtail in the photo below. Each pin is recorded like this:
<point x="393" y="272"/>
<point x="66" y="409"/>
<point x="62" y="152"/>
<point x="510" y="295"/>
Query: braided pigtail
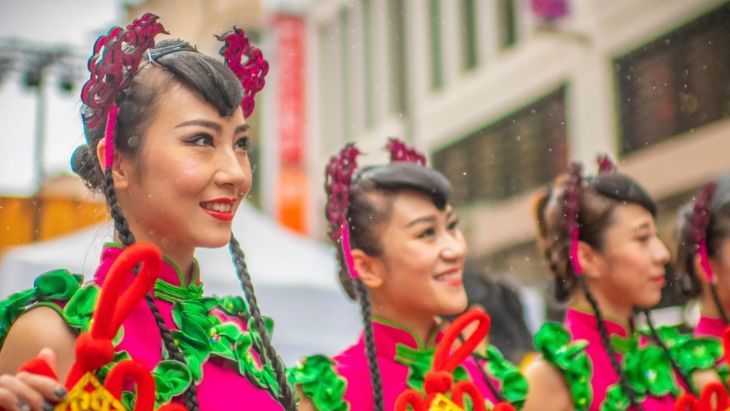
<point x="612" y="356"/>
<point x="189" y="397"/>
<point x="269" y="353"/>
<point x="370" y="349"/>
<point x="655" y="335"/>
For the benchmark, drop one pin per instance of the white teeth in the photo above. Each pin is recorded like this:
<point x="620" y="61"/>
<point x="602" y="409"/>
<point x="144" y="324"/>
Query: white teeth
<point x="446" y="277"/>
<point x="219" y="207"/>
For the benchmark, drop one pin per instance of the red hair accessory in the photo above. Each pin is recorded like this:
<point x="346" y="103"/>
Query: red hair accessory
<point x="571" y="210"/>
<point x="252" y="73"/>
<point x="338" y="179"/>
<point x="113" y="64"/>
<point x="700" y="221"/>
<point x="605" y="164"/>
<point x="400" y="151"/>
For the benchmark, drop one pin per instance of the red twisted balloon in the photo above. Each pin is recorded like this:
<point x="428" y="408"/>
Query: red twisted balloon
<point x="439" y="379"/>
<point x="94" y="348"/>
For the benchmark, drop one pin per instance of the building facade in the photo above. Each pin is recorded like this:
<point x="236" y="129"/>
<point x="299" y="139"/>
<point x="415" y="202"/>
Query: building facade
<point x="502" y="94"/>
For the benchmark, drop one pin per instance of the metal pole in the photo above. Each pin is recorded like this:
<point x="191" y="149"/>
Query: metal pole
<point x="38" y="155"/>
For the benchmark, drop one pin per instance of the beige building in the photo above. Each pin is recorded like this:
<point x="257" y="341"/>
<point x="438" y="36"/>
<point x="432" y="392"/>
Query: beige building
<point x="502" y="100"/>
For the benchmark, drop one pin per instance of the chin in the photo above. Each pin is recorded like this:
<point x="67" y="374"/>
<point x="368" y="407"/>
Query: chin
<point x="454" y="307"/>
<point x="649" y="302"/>
<point x="217" y="241"/>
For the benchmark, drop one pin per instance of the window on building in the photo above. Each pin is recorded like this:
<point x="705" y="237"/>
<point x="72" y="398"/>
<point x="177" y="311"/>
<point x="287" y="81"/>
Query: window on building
<point x="397" y="57"/>
<point x="676" y="83"/>
<point x="437" y="69"/>
<point x="507" y="19"/>
<point x="470" y="34"/>
<point x="367" y="22"/>
<point x="522" y="151"/>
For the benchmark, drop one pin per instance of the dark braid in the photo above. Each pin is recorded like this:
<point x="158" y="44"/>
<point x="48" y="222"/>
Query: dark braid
<point x="120" y="223"/>
<point x="190" y="396"/>
<point x="370" y="349"/>
<point x="269" y="355"/>
<point x="718" y="304"/>
<point x="655" y="335"/>
<point x="609" y="349"/>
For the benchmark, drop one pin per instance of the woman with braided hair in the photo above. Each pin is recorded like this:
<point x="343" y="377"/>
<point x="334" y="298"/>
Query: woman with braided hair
<point x="401" y="257"/>
<point x="703" y="254"/>
<point x="599" y="239"/>
<point x="167" y="144"/>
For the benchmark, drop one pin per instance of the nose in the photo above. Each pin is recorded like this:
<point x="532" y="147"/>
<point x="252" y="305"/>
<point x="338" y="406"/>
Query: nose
<point x="454" y="247"/>
<point x="231" y="169"/>
<point x="661" y="253"/>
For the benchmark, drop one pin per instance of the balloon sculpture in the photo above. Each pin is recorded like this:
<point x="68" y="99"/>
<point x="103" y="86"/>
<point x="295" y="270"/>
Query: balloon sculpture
<point x="94" y="348"/>
<point x="714" y="395"/>
<point x="439" y="383"/>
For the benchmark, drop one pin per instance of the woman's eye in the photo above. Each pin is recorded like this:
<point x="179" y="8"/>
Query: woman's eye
<point x="202" y="140"/>
<point x="427" y="233"/>
<point x="242" y="143"/>
<point x="453" y="225"/>
<point x="644" y="238"/>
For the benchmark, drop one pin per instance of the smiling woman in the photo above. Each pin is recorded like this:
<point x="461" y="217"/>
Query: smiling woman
<point x="401" y="256"/>
<point x="167" y="145"/>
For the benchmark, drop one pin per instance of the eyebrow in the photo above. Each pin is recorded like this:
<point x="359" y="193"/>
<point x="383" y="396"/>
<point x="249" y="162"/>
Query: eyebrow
<point x="642" y="226"/>
<point x="211" y="125"/>
<point x="425" y="219"/>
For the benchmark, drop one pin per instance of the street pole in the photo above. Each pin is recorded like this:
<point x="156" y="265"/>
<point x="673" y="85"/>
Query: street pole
<point x="38" y="155"/>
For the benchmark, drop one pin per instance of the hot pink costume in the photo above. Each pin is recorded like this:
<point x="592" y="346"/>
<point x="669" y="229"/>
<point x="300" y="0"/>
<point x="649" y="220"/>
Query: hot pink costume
<point x="403" y="359"/>
<point x="221" y="352"/>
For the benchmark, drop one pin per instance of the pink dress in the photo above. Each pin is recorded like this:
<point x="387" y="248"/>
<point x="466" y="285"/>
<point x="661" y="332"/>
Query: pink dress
<point x="710" y="327"/>
<point x="343" y="382"/>
<point x="221" y="355"/>
<point x="584" y="326"/>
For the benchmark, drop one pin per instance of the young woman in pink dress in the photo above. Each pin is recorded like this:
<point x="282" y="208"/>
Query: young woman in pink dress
<point x="167" y="142"/>
<point x="401" y="256"/>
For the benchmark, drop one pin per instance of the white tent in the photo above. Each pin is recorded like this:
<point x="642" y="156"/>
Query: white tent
<point x="294" y="277"/>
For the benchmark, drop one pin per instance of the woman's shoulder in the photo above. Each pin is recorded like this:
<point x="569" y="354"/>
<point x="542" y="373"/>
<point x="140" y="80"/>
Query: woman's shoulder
<point x="35" y="329"/>
<point x="54" y="290"/>
<point x="513" y="384"/>
<point x="564" y="361"/>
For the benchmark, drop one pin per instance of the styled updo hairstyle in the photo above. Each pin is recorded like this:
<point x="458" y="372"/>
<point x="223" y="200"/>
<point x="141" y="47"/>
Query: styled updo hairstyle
<point x="175" y="63"/>
<point x="716" y="232"/>
<point x="599" y="197"/>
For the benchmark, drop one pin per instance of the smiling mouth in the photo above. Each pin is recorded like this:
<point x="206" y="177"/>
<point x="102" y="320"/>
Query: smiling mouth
<point x="220" y="209"/>
<point x="451" y="277"/>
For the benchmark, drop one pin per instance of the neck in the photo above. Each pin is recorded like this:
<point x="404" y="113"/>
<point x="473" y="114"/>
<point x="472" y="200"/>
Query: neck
<point x="708" y="308"/>
<point x="420" y="325"/>
<point x="180" y="255"/>
<point x="620" y="313"/>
